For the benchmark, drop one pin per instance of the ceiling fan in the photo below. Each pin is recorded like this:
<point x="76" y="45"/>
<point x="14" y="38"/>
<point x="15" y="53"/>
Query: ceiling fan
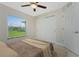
<point x="34" y="5"/>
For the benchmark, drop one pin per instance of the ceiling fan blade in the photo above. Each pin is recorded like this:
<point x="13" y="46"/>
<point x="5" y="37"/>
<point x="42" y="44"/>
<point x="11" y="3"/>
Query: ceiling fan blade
<point x="37" y="2"/>
<point x="25" y="5"/>
<point x="34" y="9"/>
<point x="41" y="6"/>
<point x="34" y="2"/>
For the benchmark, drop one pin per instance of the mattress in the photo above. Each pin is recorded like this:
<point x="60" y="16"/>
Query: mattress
<point x="46" y="47"/>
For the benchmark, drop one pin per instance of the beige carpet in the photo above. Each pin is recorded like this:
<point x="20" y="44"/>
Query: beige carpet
<point x="61" y="51"/>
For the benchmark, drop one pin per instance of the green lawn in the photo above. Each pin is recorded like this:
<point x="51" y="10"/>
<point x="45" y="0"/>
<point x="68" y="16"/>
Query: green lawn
<point x="13" y="34"/>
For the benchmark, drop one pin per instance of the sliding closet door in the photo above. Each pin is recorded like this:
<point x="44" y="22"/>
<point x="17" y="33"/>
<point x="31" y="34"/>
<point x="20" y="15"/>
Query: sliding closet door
<point x="46" y="29"/>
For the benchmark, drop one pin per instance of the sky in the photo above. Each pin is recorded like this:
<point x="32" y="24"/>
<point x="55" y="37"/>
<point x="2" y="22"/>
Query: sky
<point x="15" y="21"/>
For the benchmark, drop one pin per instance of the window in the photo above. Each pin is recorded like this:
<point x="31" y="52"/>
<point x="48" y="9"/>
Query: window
<point x="16" y="27"/>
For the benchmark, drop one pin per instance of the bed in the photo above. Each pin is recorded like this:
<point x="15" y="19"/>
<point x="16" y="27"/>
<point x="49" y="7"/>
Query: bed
<point x="26" y="48"/>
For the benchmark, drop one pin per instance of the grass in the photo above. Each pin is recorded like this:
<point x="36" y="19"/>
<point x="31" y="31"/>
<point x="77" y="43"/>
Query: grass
<point x="13" y="34"/>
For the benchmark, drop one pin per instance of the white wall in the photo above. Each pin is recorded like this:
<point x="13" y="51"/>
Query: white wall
<point x="4" y="13"/>
<point x="71" y="16"/>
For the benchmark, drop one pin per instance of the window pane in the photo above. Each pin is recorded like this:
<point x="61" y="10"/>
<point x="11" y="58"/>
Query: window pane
<point x="16" y="27"/>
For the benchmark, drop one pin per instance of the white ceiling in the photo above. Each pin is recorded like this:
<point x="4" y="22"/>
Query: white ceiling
<point x="51" y="6"/>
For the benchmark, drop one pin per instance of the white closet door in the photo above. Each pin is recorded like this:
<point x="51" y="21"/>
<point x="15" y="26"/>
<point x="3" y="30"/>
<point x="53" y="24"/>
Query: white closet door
<point x="46" y="29"/>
